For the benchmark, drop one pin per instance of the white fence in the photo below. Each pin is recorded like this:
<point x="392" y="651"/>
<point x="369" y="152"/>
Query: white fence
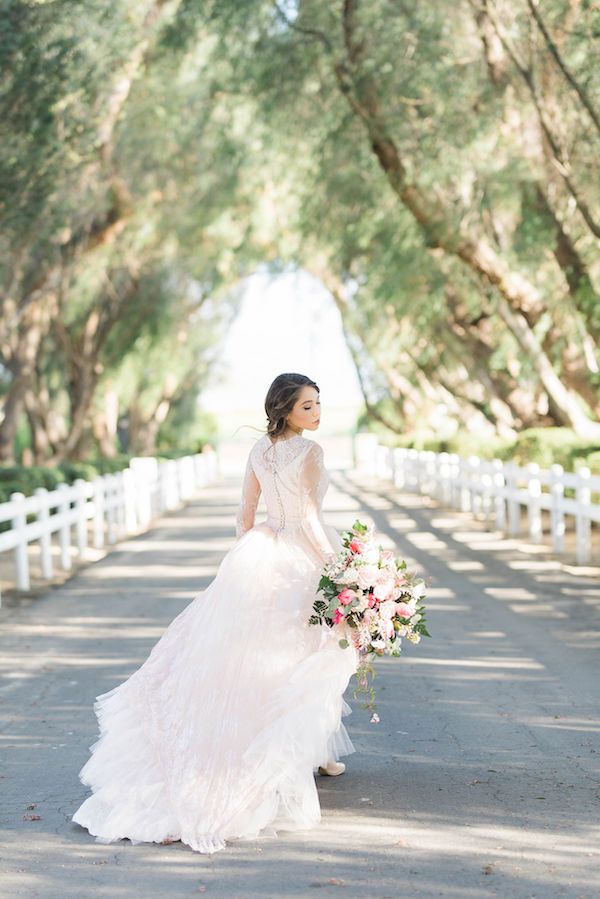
<point x="495" y="489"/>
<point x="117" y="504"/>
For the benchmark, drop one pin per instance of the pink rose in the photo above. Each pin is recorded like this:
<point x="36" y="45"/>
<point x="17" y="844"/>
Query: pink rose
<point x="387" y="628"/>
<point x="384" y="585"/>
<point x="346" y="596"/>
<point x="387" y="609"/>
<point x="367" y="575"/>
<point x="405" y="609"/>
<point x="356" y="545"/>
<point x="338" y="616"/>
<point x="372" y="600"/>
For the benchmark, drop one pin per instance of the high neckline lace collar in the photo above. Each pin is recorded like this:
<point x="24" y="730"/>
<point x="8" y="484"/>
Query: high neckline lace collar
<point x="287" y="439"/>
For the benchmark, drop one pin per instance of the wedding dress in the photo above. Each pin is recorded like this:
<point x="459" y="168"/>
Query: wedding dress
<point x="217" y="735"/>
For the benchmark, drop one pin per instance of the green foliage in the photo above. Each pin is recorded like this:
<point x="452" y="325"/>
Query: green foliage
<point x="87" y="471"/>
<point x="548" y="446"/>
<point x="545" y="446"/>
<point x="153" y="155"/>
<point x="19" y="479"/>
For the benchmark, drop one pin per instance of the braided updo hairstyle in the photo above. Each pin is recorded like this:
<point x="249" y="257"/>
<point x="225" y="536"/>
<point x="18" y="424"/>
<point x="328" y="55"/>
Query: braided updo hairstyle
<point x="280" y="400"/>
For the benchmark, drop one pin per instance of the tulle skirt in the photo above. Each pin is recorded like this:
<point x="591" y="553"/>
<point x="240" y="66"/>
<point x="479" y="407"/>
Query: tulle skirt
<point x="217" y="735"/>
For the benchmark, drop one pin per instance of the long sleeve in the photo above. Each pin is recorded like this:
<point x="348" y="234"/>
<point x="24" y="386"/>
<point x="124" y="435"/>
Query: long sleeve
<point x="249" y="501"/>
<point x="311" y="473"/>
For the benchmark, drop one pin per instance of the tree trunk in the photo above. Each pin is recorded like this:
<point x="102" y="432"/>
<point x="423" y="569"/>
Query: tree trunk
<point x="519" y="301"/>
<point x="13" y="406"/>
<point x="19" y="355"/>
<point x="144" y="429"/>
<point x="546" y="125"/>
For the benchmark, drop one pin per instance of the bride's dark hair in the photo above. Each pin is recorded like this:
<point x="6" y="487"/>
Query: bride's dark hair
<point x="280" y="399"/>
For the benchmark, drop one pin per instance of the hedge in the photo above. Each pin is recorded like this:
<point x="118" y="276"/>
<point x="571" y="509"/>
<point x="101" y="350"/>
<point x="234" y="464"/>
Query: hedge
<point x="546" y="446"/>
<point x="25" y="479"/>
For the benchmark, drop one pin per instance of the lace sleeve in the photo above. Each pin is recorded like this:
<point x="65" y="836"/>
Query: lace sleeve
<point x="248" y="502"/>
<point x="311" y="473"/>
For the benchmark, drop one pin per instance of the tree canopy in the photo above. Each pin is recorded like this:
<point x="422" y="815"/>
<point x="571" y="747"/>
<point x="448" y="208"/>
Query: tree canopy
<point x="434" y="165"/>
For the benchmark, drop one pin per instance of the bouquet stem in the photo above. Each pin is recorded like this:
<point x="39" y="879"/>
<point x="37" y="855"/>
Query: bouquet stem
<point x="363" y="687"/>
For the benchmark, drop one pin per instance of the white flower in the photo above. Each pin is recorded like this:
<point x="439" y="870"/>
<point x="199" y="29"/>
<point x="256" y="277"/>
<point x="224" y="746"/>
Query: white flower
<point x="366" y="576"/>
<point x="384" y="585"/>
<point x="387" y="609"/>
<point x="418" y="590"/>
<point x="406" y="609"/>
<point x="348" y="576"/>
<point x="370" y="555"/>
<point x="363" y="603"/>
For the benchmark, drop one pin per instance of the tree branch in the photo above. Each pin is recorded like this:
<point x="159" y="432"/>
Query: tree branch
<point x="569" y="77"/>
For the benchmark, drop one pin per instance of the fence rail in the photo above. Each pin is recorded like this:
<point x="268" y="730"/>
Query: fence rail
<point x="117" y="505"/>
<point x="495" y="489"/>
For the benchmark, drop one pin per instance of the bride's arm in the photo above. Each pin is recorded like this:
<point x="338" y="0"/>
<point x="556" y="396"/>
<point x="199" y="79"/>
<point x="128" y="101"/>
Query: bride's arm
<point x="249" y="501"/>
<point x="311" y="471"/>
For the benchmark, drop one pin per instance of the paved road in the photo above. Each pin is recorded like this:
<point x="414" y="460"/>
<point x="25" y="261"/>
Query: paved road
<point x="481" y="780"/>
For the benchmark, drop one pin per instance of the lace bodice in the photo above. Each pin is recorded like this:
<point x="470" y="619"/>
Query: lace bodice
<point x="293" y="479"/>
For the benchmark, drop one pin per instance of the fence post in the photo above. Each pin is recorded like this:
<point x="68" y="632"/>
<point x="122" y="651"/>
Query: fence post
<point x="498" y="482"/>
<point x="512" y="499"/>
<point x="180" y="479"/>
<point x="80" y="515"/>
<point x="487" y="488"/>
<point x="557" y="510"/>
<point x="130" y="519"/>
<point x="98" y="483"/>
<point x="19" y="524"/>
<point x="391" y="464"/>
<point x="464" y="503"/>
<point x="534" y="511"/>
<point x="109" y="486"/>
<point x="400" y="467"/>
<point x="443" y="478"/>
<point x="43" y="517"/>
<point x="454" y="480"/>
<point x="474" y="484"/>
<point x="583" y="521"/>
<point x="145" y="470"/>
<point x="411" y="469"/>
<point x="64" y="531"/>
<point x="419" y="470"/>
<point x="199" y="471"/>
<point x="381" y="462"/>
<point x="170" y="497"/>
<point x="365" y="449"/>
<point x="120" y="502"/>
<point x="431" y="468"/>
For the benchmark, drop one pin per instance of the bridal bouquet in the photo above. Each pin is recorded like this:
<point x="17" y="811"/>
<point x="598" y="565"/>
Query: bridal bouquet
<point x="374" y="599"/>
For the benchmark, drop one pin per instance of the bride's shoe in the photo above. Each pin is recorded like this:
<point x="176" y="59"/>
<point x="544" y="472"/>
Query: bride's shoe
<point x="332" y="768"/>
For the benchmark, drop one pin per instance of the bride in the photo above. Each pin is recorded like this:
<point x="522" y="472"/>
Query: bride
<point x="218" y="734"/>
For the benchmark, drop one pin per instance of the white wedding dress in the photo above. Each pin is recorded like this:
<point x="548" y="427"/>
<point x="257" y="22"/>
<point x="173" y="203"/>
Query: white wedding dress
<point x="217" y="735"/>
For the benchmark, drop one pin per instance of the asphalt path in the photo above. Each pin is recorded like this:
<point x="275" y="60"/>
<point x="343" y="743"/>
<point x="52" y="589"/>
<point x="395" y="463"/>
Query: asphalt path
<point x="482" y="778"/>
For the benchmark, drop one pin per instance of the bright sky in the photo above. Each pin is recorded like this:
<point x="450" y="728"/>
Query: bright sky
<point x="286" y="322"/>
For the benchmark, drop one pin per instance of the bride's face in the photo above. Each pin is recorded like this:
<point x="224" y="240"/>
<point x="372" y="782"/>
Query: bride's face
<point x="307" y="410"/>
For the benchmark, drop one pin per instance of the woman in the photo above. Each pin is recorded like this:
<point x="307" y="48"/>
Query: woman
<point x="217" y="735"/>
